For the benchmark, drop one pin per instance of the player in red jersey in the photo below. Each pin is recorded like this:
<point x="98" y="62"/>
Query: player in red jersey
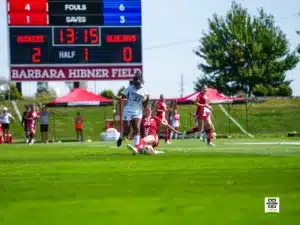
<point x="31" y="118"/>
<point x="149" y="132"/>
<point x="203" y="115"/>
<point x="162" y="109"/>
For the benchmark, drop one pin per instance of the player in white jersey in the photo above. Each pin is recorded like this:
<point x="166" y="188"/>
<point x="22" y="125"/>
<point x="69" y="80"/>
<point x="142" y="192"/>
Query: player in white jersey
<point x="137" y="98"/>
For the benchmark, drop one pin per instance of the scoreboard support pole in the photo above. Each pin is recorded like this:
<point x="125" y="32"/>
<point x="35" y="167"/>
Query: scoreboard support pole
<point x="76" y="85"/>
<point x="19" y="87"/>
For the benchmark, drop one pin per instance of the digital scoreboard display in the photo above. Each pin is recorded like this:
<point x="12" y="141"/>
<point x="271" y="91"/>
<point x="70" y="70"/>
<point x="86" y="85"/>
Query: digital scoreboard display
<point x="59" y="40"/>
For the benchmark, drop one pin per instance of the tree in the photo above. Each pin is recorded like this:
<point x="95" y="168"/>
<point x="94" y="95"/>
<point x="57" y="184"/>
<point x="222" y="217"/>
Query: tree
<point x="107" y="93"/>
<point x="44" y="94"/>
<point x="10" y="92"/>
<point x="240" y="52"/>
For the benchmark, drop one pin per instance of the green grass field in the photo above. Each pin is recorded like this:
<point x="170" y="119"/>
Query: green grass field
<point x="96" y="183"/>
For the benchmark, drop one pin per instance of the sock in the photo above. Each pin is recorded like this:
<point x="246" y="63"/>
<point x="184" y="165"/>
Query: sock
<point x="194" y="130"/>
<point x="176" y="135"/>
<point x="171" y="134"/>
<point x="140" y="145"/>
<point x="196" y="135"/>
<point x="167" y="135"/>
<point x="136" y="140"/>
<point x="29" y="138"/>
<point x="209" y="135"/>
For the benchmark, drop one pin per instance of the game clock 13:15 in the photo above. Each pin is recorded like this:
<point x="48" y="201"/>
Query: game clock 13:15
<point x="75" y="45"/>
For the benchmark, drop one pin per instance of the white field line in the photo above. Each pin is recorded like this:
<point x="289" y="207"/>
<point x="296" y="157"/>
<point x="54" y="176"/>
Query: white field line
<point x="17" y="110"/>
<point x="234" y="121"/>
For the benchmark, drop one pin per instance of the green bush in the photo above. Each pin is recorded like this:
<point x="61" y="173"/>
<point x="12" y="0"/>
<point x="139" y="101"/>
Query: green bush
<point x="284" y="90"/>
<point x="13" y="94"/>
<point x="107" y="93"/>
<point x="272" y="91"/>
<point x="260" y="90"/>
<point x="43" y="95"/>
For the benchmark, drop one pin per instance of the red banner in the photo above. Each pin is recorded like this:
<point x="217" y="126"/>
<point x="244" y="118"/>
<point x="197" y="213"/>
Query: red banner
<point x="78" y="73"/>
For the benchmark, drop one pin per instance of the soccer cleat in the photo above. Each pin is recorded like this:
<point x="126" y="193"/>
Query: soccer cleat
<point x="204" y="137"/>
<point x="146" y="151"/>
<point x="168" y="142"/>
<point x="183" y="135"/>
<point x="132" y="149"/>
<point x="211" y="144"/>
<point x="119" y="142"/>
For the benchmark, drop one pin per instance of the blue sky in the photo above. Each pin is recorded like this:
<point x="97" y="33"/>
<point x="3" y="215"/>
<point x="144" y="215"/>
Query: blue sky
<point x="172" y="21"/>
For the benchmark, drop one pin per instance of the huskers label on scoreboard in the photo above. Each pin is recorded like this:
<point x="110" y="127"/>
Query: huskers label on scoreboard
<point x="50" y="39"/>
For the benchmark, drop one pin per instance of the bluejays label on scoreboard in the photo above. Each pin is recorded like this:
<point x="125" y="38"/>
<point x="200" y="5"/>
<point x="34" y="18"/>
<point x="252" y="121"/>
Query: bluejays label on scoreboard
<point x="74" y="39"/>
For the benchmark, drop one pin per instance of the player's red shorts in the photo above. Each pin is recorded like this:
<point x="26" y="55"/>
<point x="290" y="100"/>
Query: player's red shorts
<point x="33" y="129"/>
<point x="31" y="126"/>
<point x="79" y="127"/>
<point x="202" y="116"/>
<point x="156" y="140"/>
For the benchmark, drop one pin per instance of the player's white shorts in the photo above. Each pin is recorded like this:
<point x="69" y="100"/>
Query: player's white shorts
<point x="127" y="116"/>
<point x="175" y="123"/>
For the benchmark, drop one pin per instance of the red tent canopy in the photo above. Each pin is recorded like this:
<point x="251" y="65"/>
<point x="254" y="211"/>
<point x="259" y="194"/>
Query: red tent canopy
<point x="214" y="97"/>
<point x="80" y="97"/>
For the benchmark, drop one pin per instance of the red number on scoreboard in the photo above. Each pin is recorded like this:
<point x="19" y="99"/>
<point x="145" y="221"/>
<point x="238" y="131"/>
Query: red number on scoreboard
<point x="91" y="36"/>
<point x="29" y="19"/>
<point x="67" y="36"/>
<point x="127" y="54"/>
<point x="37" y="6"/>
<point x="36" y="55"/>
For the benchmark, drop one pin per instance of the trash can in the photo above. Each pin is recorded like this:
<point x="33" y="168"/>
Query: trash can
<point x="109" y="124"/>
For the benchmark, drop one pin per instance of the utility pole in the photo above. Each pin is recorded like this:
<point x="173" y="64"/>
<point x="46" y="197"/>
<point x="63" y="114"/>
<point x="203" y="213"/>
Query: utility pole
<point x="181" y="86"/>
<point x="298" y="31"/>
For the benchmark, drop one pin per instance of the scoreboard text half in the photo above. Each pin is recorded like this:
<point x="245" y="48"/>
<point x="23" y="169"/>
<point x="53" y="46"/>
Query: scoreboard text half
<point x="59" y="40"/>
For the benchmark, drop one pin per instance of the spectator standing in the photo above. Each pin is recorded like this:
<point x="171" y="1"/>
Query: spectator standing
<point x="44" y="124"/>
<point x="79" y="127"/>
<point x="175" y="121"/>
<point x="24" y="124"/>
<point x="5" y="118"/>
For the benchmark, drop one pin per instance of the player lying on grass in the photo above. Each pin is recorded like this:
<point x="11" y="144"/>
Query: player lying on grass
<point x="137" y="97"/>
<point x="149" y="132"/>
<point x="203" y="114"/>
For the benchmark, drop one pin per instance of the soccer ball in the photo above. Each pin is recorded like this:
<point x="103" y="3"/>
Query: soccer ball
<point x="214" y="134"/>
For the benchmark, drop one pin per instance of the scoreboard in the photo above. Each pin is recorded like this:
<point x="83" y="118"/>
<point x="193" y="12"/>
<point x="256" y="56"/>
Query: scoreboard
<point x="59" y="40"/>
